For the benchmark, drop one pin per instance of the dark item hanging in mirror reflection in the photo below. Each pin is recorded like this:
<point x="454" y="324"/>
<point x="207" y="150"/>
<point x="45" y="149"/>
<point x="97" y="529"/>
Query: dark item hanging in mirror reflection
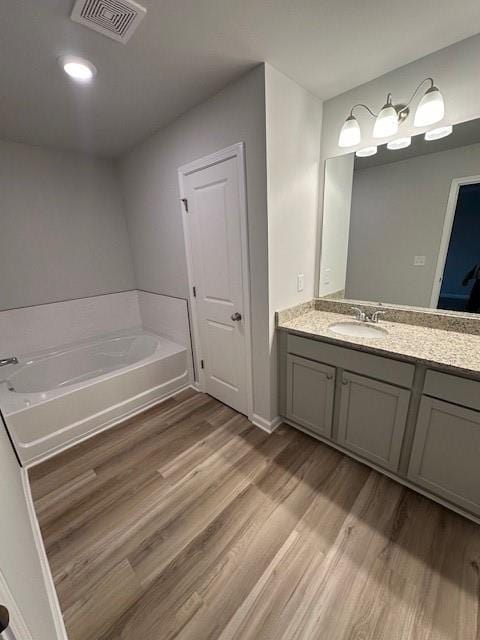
<point x="473" y="304"/>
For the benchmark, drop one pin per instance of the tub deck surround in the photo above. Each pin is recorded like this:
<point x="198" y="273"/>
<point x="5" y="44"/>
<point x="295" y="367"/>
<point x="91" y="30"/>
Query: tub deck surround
<point x="449" y="350"/>
<point x="55" y="398"/>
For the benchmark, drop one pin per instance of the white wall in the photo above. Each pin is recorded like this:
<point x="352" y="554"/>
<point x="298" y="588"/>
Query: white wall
<point x="63" y="233"/>
<point x="149" y="175"/>
<point x="455" y="70"/>
<point x="19" y="561"/>
<point x="336" y="224"/>
<point x="398" y="211"/>
<point x="293" y="128"/>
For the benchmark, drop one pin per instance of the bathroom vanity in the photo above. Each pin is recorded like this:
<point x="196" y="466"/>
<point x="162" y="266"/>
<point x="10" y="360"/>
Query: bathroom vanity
<point x="406" y="403"/>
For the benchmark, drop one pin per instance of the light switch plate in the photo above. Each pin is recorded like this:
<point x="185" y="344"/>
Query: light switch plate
<point x="300" y="282"/>
<point x="419" y="261"/>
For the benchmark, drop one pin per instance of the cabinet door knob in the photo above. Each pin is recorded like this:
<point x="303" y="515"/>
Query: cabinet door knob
<point x="329" y="376"/>
<point x="344" y="381"/>
<point x="236" y="317"/>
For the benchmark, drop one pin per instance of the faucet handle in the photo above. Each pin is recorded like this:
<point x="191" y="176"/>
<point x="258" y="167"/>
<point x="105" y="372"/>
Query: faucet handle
<point x="359" y="314"/>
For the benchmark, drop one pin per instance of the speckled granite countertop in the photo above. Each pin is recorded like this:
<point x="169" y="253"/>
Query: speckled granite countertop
<point x="449" y="350"/>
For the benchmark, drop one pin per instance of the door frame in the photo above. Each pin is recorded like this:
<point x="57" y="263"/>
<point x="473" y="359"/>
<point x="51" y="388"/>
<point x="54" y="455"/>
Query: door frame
<point x="446" y="234"/>
<point x="234" y="151"/>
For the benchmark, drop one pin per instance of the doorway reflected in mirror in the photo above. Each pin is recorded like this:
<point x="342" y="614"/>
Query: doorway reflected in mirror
<point x="460" y="290"/>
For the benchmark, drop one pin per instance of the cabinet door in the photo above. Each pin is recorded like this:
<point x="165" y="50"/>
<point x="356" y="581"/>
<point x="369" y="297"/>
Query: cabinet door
<point x="372" y="421"/>
<point x="310" y="392"/>
<point x="446" y="452"/>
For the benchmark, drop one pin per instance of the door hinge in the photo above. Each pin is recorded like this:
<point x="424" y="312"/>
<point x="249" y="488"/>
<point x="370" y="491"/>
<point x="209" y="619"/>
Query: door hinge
<point x="185" y="203"/>
<point x="202" y="364"/>
<point x="194" y="291"/>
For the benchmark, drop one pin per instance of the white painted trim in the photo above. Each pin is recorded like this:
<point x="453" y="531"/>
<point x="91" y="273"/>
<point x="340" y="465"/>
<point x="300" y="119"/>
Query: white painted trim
<point x="266" y="425"/>
<point x="17" y="624"/>
<point x="234" y="151"/>
<point x="446" y="233"/>
<point x="47" y="575"/>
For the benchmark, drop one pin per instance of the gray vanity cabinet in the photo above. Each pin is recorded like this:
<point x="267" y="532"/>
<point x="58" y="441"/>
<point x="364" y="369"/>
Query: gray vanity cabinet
<point x="310" y="394"/>
<point x="373" y="417"/>
<point x="446" y="452"/>
<point x="422" y="425"/>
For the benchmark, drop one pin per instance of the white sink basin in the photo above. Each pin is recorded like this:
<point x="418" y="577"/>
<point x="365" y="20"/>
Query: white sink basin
<point x="356" y="329"/>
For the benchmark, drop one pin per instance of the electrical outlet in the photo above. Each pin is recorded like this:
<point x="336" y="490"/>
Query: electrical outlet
<point x="300" y="282"/>
<point x="419" y="261"/>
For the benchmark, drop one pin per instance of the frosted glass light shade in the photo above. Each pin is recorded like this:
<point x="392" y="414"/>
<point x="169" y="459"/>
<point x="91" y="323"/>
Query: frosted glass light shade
<point x="386" y="123"/>
<point x="399" y="143"/>
<point x="350" y="134"/>
<point x="439" y="132"/>
<point x="431" y="109"/>
<point x="367" y="151"/>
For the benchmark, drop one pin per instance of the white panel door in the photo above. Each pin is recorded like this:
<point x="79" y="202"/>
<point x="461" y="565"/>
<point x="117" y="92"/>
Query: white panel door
<point x="215" y="232"/>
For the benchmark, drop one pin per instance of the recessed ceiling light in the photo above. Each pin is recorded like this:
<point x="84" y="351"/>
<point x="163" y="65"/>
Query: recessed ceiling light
<point x="366" y="152"/>
<point x="399" y="143"/>
<point x="439" y="132"/>
<point x="78" y="69"/>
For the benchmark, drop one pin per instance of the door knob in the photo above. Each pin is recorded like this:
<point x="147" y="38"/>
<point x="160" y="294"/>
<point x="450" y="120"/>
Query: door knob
<point x="236" y="317"/>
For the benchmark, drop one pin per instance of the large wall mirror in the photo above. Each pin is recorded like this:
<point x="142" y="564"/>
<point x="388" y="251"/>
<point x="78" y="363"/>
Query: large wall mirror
<point x="403" y="226"/>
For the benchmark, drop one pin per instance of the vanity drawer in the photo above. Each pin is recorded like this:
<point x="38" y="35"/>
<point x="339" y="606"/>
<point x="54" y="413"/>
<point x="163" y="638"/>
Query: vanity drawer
<point x="393" y="371"/>
<point x="453" y="389"/>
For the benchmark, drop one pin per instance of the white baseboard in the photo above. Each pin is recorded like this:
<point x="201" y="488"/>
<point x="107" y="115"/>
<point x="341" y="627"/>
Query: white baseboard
<point x="266" y="425"/>
<point x="47" y="575"/>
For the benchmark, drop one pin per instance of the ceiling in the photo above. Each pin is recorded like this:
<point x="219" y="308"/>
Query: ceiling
<point x="186" y="50"/>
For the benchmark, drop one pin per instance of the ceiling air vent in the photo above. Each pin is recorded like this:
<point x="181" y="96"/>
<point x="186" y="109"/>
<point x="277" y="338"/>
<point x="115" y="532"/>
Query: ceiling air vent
<point x="114" y="18"/>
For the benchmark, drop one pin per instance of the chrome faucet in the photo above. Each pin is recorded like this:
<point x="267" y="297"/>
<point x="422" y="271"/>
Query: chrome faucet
<point x="364" y="316"/>
<point x="359" y="314"/>
<point x="374" y="316"/>
<point x="9" y="360"/>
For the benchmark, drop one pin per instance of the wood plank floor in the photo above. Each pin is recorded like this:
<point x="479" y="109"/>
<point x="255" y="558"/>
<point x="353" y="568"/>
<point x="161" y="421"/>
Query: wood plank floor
<point x="187" y="522"/>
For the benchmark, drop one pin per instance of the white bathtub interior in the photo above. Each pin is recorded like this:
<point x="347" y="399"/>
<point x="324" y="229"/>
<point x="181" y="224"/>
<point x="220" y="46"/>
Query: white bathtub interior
<point x="57" y="397"/>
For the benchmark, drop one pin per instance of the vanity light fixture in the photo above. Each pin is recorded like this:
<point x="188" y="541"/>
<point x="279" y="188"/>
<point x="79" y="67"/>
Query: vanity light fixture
<point x="79" y="69"/>
<point x="439" y="132"/>
<point x="399" y="143"/>
<point x="366" y="152"/>
<point x="350" y="134"/>
<point x="386" y="123"/>
<point x="431" y="109"/>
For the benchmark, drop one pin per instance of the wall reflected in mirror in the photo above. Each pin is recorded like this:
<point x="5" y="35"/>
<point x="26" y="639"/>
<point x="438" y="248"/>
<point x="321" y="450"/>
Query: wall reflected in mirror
<point x="403" y="226"/>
